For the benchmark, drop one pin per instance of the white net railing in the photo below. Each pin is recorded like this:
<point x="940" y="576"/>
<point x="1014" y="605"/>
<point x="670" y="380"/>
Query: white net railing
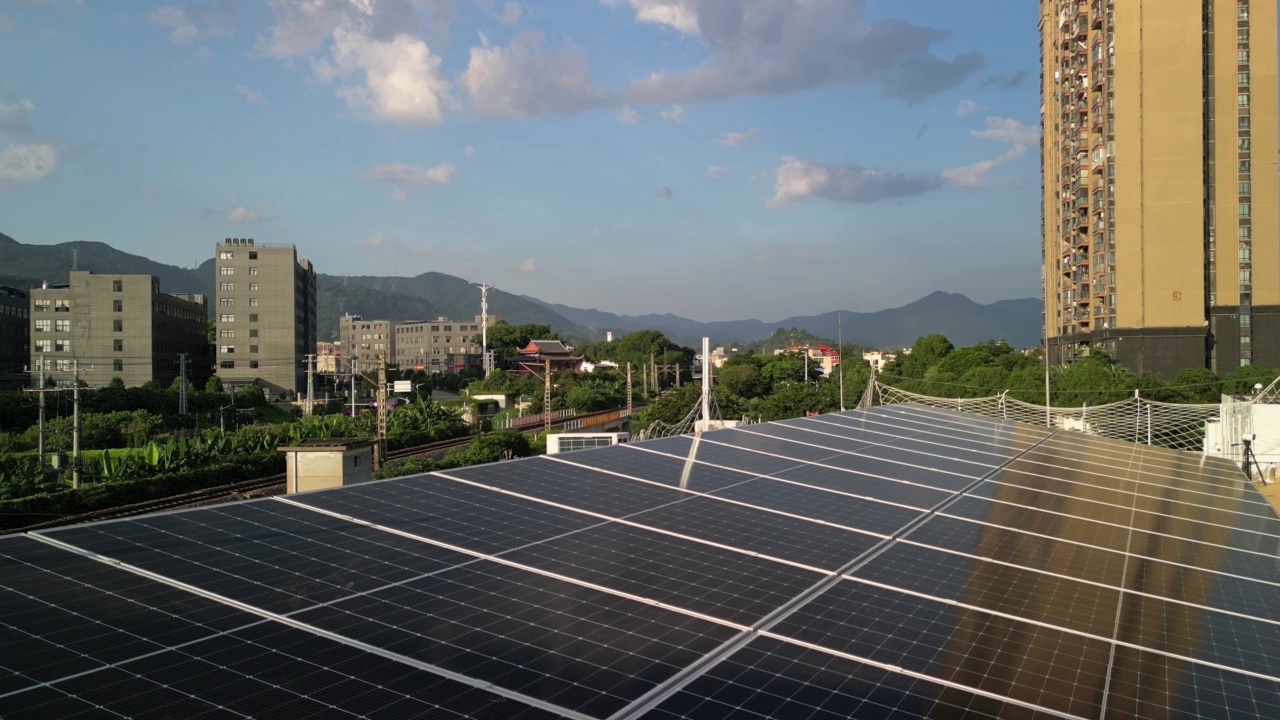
<point x="1169" y="425"/>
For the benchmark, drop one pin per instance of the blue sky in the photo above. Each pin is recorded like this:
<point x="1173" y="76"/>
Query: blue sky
<point x="717" y="159"/>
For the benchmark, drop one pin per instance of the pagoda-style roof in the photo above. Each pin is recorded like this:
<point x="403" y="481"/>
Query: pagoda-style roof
<point x="545" y="348"/>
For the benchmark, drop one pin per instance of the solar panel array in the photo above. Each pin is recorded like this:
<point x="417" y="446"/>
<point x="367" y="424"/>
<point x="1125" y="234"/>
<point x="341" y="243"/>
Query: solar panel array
<point x="899" y="562"/>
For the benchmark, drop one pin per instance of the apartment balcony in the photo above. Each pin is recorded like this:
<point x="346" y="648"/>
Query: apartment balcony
<point x="1098" y="75"/>
<point x="1097" y="11"/>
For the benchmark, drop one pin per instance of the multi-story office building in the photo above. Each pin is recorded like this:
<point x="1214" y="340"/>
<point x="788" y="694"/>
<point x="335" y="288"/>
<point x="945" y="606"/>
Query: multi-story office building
<point x="118" y="326"/>
<point x="1161" y="240"/>
<point x="15" y="337"/>
<point x="366" y="340"/>
<point x="266" y="313"/>
<point x="439" y="345"/>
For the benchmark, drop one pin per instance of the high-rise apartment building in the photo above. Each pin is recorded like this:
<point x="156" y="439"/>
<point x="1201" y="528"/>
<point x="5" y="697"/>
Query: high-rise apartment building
<point x="266" y="315"/>
<point x="118" y="326"/>
<point x="1161" y="235"/>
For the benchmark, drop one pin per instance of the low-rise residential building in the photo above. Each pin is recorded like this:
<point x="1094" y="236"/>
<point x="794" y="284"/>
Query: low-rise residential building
<point x="366" y="340"/>
<point x="15" y="337"/>
<point x="118" y="326"/>
<point x="877" y="359"/>
<point x="825" y="357"/>
<point x="329" y="358"/>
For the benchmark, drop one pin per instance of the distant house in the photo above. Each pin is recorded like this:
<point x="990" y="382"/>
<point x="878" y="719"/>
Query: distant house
<point x="534" y="357"/>
<point x="877" y="359"/>
<point x="825" y="356"/>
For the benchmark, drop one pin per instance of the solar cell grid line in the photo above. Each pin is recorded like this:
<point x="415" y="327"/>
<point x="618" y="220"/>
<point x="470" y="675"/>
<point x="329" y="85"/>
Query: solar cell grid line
<point x="1106" y="488"/>
<point x="1214" y="588"/>
<point x="1249" y="563"/>
<point x="562" y="643"/>
<point x="836" y="508"/>
<point x="707" y="580"/>
<point x="1014" y="484"/>
<point x="62" y="615"/>
<point x="1005" y="433"/>
<point x="1155" y="464"/>
<point x="275" y="556"/>
<point x="1149" y="685"/>
<point x="571" y="485"/>
<point x="958" y="421"/>
<point x="858" y="441"/>
<point x="883" y="455"/>
<point x="899" y="471"/>
<point x="776" y="678"/>
<point x="328" y="634"/>
<point x="268" y="671"/>
<point x="1036" y="664"/>
<point x="643" y="462"/>
<point x="468" y="516"/>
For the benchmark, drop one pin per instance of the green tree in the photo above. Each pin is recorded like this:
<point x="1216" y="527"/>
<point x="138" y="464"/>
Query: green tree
<point x="1197" y="385"/>
<point x="214" y="385"/>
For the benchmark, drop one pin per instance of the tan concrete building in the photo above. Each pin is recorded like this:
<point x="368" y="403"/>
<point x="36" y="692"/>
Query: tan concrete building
<point x="118" y="326"/>
<point x="439" y="345"/>
<point x="1161" y="240"/>
<point x="366" y="340"/>
<point x="15" y="337"/>
<point x="266" y="313"/>
<point x="320" y="464"/>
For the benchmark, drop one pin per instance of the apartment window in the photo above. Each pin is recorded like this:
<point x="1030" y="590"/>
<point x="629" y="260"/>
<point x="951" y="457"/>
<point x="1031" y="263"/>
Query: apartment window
<point x="253" y="333"/>
<point x="43" y="305"/>
<point x="227" y="317"/>
<point x="117" y="286"/>
<point x="117" y="326"/>
<point x="1244" y="122"/>
<point x="1242" y="34"/>
<point x="253" y="287"/>
<point x="117" y="345"/>
<point x="224" y="333"/>
<point x="1246" y="254"/>
<point x="226" y="271"/>
<point x="1242" y="100"/>
<point x="1245" y="341"/>
<point x="1246" y="276"/>
<point x="1245" y="321"/>
<point x="1243" y="210"/>
<point x="1242" y="57"/>
<point x="1243" y="188"/>
<point x="226" y="255"/>
<point x="253" y="254"/>
<point x="253" y="317"/>
<point x="435" y="328"/>
<point x="1242" y="12"/>
<point x="62" y="325"/>
<point x="62" y="346"/>
<point x="227" y="364"/>
<point x="227" y="349"/>
<point x="44" y="325"/>
<point x="227" y="287"/>
<point x="253" y="348"/>
<point x="253" y="302"/>
<point x="43" y="346"/>
<point x="253" y="364"/>
<point x="1246" y="232"/>
<point x="117" y="306"/>
<point x="117" y="365"/>
<point x="1242" y="78"/>
<point x="253" y="271"/>
<point x="1244" y="144"/>
<point x="1245" y="165"/>
<point x="62" y="365"/>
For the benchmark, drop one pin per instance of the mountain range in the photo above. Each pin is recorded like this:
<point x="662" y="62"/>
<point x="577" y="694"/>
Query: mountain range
<point x="432" y="295"/>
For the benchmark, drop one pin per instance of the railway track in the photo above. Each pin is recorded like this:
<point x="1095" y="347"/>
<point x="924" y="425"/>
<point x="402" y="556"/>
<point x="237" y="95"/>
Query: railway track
<point x="244" y="488"/>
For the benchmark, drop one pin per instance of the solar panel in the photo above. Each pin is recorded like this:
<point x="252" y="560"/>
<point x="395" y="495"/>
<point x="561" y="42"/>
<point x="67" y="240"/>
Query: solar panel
<point x="898" y="562"/>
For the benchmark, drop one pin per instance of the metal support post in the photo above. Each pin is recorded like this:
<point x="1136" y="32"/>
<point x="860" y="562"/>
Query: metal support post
<point x="75" y="428"/>
<point x="546" y="397"/>
<point x="182" y="383"/>
<point x="380" y="444"/>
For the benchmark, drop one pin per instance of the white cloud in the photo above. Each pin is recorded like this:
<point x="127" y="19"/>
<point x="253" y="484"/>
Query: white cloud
<point x="734" y="139"/>
<point x="469" y="151"/>
<point x="194" y="22"/>
<point x="13" y="116"/>
<point x="399" y="195"/>
<point x="768" y="47"/>
<point x="675" y="115"/>
<point x="967" y="107"/>
<point x="715" y="171"/>
<point x="509" y="14"/>
<point x="24" y="164"/>
<point x="251" y="97"/>
<point x="627" y="116"/>
<point x="241" y="214"/>
<point x="526" y="79"/>
<point x="528" y="266"/>
<point x="405" y="174"/>
<point x="1009" y="131"/>
<point x="399" y="80"/>
<point x="797" y="179"/>
<point x="374" y="241"/>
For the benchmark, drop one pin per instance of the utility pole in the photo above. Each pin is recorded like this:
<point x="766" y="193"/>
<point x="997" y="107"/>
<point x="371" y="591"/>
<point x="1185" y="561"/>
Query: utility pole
<point x="41" y="391"/>
<point x="644" y="379"/>
<point x="380" y="443"/>
<point x="628" y="389"/>
<point x="75" y="428"/>
<point x="840" y="351"/>
<point x="546" y="397"/>
<point x="353" y="384"/>
<point x="706" y="384"/>
<point x="653" y="370"/>
<point x="484" y="327"/>
<point x="182" y="389"/>
<point x="311" y="383"/>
